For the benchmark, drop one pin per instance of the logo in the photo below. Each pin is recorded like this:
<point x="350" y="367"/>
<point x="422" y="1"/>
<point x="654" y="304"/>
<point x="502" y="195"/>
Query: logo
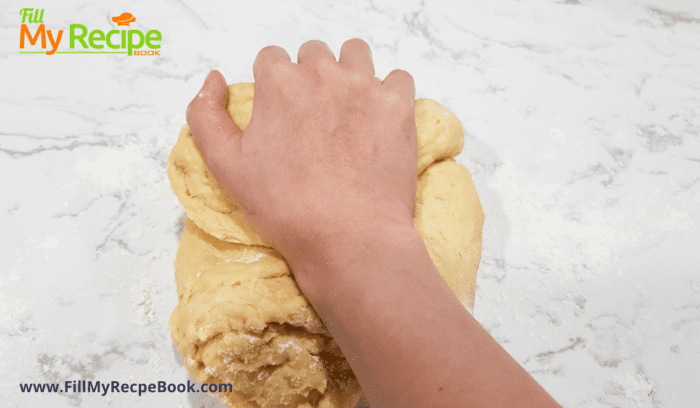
<point x="124" y="19"/>
<point x="85" y="41"/>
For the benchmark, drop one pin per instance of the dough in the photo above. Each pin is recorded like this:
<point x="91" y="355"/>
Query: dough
<point x="242" y="319"/>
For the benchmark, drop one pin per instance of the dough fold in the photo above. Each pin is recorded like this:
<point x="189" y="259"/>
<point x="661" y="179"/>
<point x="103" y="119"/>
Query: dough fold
<point x="241" y="318"/>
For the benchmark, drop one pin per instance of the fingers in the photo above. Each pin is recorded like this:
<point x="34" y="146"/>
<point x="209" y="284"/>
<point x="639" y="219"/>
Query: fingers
<point x="357" y="55"/>
<point x="354" y="53"/>
<point x="212" y="129"/>
<point x="402" y="83"/>
<point x="314" y="49"/>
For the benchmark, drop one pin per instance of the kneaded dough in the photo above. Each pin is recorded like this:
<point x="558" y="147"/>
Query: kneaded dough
<point x="241" y="318"/>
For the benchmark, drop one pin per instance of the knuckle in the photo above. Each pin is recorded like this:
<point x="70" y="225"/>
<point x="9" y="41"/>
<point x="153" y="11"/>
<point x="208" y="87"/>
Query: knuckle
<point x="324" y="63"/>
<point x="269" y="58"/>
<point x="316" y="44"/>
<point x="395" y="100"/>
<point x="278" y="69"/>
<point x="271" y="49"/>
<point x="321" y="69"/>
<point x="356" y="43"/>
<point x="403" y="74"/>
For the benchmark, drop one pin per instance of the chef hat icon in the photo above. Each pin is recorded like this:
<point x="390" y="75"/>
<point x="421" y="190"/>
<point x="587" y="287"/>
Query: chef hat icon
<point x="124" y="19"/>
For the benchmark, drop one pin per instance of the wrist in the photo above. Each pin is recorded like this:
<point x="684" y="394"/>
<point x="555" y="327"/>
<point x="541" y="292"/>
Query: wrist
<point x="326" y="256"/>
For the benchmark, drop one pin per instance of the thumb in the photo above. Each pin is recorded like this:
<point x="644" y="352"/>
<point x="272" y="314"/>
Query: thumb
<point x="215" y="134"/>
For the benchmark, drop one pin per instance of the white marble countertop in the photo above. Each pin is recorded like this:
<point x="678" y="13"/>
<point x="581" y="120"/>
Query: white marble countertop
<point x="582" y="127"/>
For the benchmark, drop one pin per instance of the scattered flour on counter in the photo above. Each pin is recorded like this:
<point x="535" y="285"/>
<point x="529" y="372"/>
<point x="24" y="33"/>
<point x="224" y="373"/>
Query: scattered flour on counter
<point x="635" y="387"/>
<point x="120" y="169"/>
<point x="51" y="242"/>
<point x="11" y="307"/>
<point x="142" y="302"/>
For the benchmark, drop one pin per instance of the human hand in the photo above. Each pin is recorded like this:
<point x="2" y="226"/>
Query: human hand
<point x="330" y="150"/>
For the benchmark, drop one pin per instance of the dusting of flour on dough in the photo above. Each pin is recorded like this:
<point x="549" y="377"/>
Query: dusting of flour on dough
<point x="250" y="338"/>
<point x="289" y="344"/>
<point x="248" y="259"/>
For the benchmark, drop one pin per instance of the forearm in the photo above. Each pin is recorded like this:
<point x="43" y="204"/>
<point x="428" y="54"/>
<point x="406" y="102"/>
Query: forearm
<point x="406" y="335"/>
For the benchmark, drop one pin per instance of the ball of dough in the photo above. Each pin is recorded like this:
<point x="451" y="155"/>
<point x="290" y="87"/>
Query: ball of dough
<point x="241" y="318"/>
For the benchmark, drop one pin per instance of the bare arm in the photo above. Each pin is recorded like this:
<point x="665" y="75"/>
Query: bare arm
<point x="404" y="332"/>
<point x="326" y="173"/>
